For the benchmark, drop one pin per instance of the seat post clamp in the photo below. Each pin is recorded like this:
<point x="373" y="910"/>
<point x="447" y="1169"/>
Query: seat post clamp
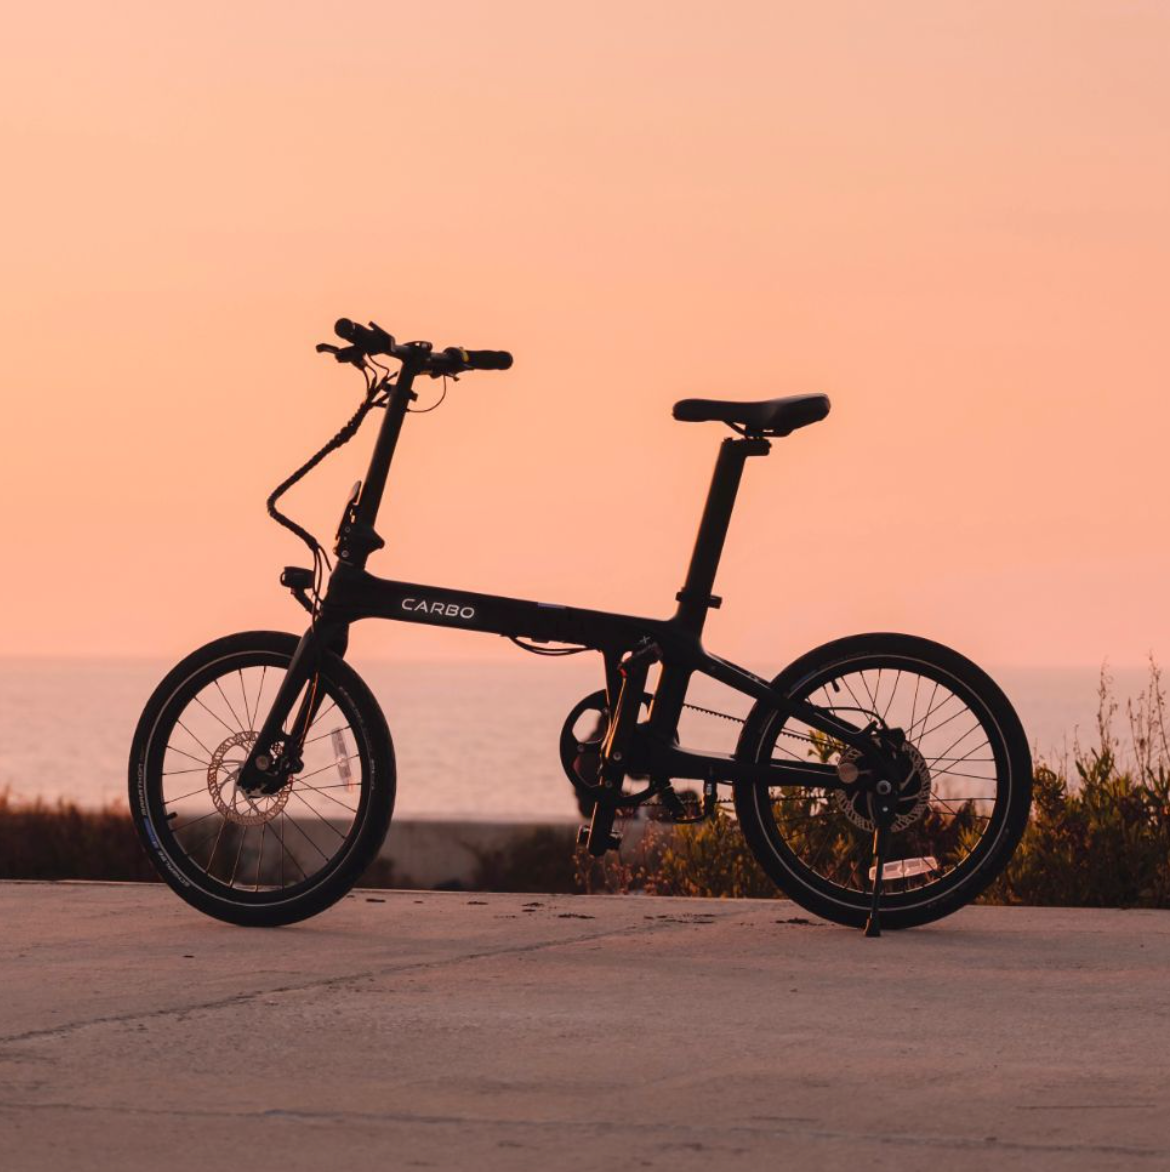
<point x="713" y="601"/>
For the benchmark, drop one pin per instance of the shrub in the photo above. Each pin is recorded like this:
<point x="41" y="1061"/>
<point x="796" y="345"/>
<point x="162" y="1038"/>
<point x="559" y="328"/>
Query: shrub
<point x="63" y="841"/>
<point x="1101" y="842"/>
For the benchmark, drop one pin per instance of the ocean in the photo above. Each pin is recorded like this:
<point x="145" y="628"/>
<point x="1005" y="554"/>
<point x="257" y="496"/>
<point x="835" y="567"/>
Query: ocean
<point x="473" y="740"/>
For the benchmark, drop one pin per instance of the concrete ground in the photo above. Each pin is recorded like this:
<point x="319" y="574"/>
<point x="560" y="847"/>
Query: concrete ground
<point x="452" y="1031"/>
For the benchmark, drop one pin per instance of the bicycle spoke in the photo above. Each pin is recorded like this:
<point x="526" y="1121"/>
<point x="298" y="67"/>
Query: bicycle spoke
<point x="260" y="855"/>
<point x="893" y="695"/>
<point x="322" y="713"/>
<point x="331" y="765"/>
<point x="954" y="744"/>
<point x="931" y="707"/>
<point x="860" y="707"/>
<point x="296" y="826"/>
<point x="240" y="727"/>
<point x="960" y="760"/>
<point x="296" y="795"/>
<point x="914" y="703"/>
<point x="329" y="797"/>
<point x="218" y="836"/>
<point x="942" y="724"/>
<point x="197" y="741"/>
<point x="183" y="797"/>
<point x="244" y="695"/>
<point x="202" y="842"/>
<point x="239" y="852"/>
<point x="865" y="685"/>
<point x="195" y="821"/>
<point x="291" y="856"/>
<point x="260" y="693"/>
<point x="215" y="716"/>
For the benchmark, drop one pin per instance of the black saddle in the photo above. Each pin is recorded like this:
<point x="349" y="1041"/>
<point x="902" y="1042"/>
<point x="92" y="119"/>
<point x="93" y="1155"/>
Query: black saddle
<point x="767" y="417"/>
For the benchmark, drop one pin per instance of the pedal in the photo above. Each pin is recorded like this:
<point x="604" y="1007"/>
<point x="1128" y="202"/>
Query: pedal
<point x="710" y="799"/>
<point x="673" y="804"/>
<point x="611" y="839"/>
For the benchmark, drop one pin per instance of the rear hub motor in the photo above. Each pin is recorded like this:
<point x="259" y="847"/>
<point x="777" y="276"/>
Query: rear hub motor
<point x="911" y="795"/>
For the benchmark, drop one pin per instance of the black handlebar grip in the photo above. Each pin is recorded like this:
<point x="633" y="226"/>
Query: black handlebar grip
<point x="371" y="339"/>
<point x="488" y="359"/>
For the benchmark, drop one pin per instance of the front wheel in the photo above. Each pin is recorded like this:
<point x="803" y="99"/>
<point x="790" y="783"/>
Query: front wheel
<point x="960" y="814"/>
<point x="259" y="859"/>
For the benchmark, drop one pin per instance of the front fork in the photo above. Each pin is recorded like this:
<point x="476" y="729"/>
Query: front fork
<point x="276" y="755"/>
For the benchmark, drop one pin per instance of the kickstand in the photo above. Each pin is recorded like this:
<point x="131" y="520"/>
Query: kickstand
<point x="881" y="844"/>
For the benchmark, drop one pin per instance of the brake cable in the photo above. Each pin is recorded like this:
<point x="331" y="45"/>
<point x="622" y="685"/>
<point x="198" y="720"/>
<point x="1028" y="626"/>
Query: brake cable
<point x="436" y="404"/>
<point x="374" y="386"/>
<point x="551" y="652"/>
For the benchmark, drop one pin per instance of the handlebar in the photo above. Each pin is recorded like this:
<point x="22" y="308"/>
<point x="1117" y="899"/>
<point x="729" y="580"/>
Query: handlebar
<point x="367" y="341"/>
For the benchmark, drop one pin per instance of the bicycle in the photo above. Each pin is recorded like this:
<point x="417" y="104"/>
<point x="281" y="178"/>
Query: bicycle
<point x="879" y="779"/>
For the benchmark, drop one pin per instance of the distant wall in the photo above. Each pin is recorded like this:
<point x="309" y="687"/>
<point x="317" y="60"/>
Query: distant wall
<point x="456" y="854"/>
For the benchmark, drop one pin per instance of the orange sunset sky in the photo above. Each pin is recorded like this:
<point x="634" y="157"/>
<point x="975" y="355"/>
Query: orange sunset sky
<point x="952" y="217"/>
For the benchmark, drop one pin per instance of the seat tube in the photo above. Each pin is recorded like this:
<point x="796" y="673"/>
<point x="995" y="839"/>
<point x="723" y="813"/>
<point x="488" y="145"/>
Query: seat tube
<point x="695" y="598"/>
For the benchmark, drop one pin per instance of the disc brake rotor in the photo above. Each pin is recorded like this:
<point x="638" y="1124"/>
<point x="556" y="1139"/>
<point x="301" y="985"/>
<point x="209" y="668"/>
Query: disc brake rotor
<point x="235" y="805"/>
<point x="913" y="793"/>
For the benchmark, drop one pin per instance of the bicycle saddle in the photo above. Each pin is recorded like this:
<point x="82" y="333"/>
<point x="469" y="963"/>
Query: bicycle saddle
<point x="766" y="417"/>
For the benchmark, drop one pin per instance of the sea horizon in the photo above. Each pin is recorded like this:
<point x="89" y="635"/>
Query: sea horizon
<point x="474" y="740"/>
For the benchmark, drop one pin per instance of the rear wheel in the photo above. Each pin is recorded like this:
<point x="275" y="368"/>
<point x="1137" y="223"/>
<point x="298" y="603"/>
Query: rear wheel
<point x="258" y="859"/>
<point x="960" y="812"/>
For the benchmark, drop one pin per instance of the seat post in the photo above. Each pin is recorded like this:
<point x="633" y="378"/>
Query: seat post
<point x="695" y="598"/>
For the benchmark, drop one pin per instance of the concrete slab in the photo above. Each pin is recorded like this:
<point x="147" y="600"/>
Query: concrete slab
<point x="502" y="1032"/>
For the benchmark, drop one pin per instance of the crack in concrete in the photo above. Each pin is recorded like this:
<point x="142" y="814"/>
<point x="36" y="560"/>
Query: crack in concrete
<point x="320" y="983"/>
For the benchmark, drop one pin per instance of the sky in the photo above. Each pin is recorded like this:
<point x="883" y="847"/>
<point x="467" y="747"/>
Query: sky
<point x="951" y="217"/>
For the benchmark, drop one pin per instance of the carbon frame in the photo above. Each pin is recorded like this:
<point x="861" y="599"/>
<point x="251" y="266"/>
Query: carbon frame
<point x="354" y="594"/>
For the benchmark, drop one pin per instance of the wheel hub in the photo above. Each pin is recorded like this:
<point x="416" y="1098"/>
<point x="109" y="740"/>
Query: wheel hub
<point x="230" y="800"/>
<point x="912" y="793"/>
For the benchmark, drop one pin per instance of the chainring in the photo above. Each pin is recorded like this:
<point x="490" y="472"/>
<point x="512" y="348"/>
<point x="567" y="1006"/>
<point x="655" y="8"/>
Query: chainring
<point x="581" y="757"/>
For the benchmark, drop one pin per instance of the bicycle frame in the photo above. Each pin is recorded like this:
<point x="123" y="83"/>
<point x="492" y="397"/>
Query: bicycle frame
<point x="648" y="749"/>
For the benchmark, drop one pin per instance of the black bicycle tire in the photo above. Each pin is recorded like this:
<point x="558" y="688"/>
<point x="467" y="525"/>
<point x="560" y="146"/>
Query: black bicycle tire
<point x="901" y="910"/>
<point x="333" y="881"/>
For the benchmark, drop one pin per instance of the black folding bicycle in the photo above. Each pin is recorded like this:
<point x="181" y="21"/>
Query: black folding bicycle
<point x="879" y="779"/>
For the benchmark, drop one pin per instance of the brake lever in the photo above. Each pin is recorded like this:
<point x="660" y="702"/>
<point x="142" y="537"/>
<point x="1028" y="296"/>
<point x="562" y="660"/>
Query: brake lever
<point x="351" y="354"/>
<point x="385" y="339"/>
